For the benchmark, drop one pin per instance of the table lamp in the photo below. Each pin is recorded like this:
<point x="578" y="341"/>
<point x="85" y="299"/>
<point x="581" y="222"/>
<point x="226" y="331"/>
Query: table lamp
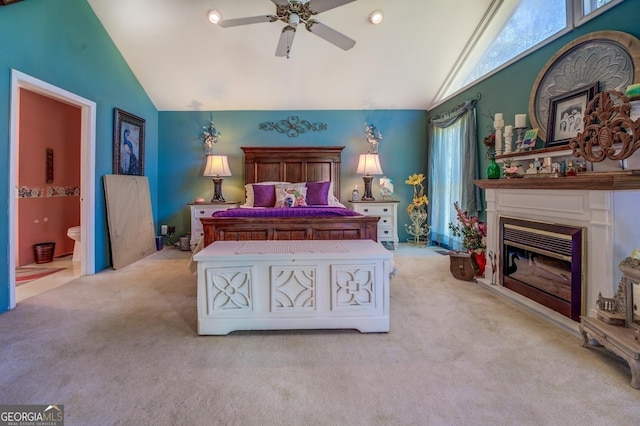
<point x="216" y="166"/>
<point x="368" y="165"/>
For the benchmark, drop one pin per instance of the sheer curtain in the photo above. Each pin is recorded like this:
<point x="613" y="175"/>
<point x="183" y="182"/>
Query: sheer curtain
<point x="453" y="164"/>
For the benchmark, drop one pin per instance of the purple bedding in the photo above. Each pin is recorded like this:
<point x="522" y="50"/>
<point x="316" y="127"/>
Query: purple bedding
<point x="287" y="212"/>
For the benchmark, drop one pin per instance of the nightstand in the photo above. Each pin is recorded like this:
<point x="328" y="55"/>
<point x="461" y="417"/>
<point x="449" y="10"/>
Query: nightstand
<point x="388" y="212"/>
<point x="199" y="210"/>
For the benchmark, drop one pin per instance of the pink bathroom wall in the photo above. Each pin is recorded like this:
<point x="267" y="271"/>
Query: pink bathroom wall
<point x="47" y="210"/>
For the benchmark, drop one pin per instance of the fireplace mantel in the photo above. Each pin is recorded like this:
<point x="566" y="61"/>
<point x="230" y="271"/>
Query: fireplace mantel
<point x="585" y="181"/>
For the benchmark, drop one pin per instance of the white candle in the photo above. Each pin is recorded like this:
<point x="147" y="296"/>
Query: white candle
<point x="521" y="120"/>
<point x="498" y="116"/>
<point x="508" y="130"/>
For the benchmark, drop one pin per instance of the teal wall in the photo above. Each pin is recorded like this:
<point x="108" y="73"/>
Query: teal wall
<point x="508" y="91"/>
<point x="63" y="43"/>
<point x="402" y="152"/>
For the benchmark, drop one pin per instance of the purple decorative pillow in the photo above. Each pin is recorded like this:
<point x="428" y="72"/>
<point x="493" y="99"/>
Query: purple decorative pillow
<point x="264" y="195"/>
<point x="318" y="193"/>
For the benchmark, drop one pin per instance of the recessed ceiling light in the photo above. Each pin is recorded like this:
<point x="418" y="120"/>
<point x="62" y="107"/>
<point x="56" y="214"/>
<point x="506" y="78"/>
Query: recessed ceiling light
<point x="214" y="16"/>
<point x="376" y="17"/>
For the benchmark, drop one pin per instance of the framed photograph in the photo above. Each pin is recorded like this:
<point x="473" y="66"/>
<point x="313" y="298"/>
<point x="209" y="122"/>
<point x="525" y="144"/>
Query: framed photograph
<point x="566" y="113"/>
<point x="128" y="144"/>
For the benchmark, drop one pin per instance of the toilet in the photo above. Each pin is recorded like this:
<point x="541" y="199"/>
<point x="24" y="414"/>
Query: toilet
<point x="74" y="234"/>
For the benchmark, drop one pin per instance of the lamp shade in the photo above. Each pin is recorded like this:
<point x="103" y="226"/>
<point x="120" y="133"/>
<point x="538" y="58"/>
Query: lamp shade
<point x="369" y="164"/>
<point x="217" y="165"/>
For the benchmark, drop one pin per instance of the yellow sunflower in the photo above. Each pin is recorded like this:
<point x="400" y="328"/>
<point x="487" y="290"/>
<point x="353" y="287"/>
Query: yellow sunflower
<point x="415" y="179"/>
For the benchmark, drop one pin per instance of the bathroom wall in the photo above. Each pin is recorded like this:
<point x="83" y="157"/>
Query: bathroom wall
<point x="47" y="209"/>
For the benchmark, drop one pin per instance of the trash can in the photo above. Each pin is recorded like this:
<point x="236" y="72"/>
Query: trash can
<point x="43" y="252"/>
<point x="184" y="243"/>
<point x="158" y="243"/>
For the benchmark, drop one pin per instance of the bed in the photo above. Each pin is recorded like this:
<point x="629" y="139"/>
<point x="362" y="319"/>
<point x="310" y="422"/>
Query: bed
<point x="274" y="165"/>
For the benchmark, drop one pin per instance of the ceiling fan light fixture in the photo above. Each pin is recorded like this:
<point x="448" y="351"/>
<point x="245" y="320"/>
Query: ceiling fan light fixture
<point x="376" y="17"/>
<point x="294" y="19"/>
<point x="214" y="16"/>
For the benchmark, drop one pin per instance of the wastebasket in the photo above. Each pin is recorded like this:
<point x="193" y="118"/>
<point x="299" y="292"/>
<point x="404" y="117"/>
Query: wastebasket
<point x="43" y="252"/>
<point x="184" y="243"/>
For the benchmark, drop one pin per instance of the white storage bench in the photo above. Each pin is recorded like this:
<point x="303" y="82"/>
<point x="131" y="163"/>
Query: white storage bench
<point x="274" y="285"/>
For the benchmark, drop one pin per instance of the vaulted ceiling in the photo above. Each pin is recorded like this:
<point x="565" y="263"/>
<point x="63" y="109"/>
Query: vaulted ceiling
<point x="186" y="63"/>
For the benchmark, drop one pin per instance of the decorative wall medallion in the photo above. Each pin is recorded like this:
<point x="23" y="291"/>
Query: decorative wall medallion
<point x="229" y="290"/>
<point x="293" y="126"/>
<point x="610" y="57"/>
<point x="353" y="287"/>
<point x="293" y="288"/>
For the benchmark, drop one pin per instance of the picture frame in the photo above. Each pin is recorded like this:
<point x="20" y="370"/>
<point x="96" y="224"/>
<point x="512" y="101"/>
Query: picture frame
<point x="128" y="143"/>
<point x="386" y="188"/>
<point x="566" y="113"/>
<point x="529" y="140"/>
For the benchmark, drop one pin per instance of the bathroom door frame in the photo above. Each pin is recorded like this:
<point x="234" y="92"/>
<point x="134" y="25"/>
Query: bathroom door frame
<point x="20" y="80"/>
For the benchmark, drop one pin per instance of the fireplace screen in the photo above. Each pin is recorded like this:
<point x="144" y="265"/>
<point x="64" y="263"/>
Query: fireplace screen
<point x="544" y="263"/>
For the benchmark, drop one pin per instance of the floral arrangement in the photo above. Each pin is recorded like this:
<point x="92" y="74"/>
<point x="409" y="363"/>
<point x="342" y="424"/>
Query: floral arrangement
<point x="210" y="136"/>
<point x="472" y="230"/>
<point x="373" y="136"/>
<point x="490" y="143"/>
<point x="417" y="210"/>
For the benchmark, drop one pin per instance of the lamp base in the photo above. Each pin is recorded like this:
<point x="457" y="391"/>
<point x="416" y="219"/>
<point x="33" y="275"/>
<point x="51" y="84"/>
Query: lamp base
<point x="367" y="196"/>
<point x="217" y="190"/>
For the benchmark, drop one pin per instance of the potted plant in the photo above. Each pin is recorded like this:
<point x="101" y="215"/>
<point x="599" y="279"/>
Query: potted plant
<point x="474" y="236"/>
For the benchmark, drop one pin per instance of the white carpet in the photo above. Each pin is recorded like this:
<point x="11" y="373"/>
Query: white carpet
<point x="121" y="347"/>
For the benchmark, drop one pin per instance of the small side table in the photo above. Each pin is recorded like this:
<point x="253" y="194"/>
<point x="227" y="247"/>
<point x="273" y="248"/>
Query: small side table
<point x="618" y="339"/>
<point x="388" y="212"/>
<point x="199" y="210"/>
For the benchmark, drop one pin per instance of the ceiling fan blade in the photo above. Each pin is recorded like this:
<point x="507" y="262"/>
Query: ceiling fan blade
<point x="330" y="35"/>
<point x="318" y="6"/>
<point x="280" y="2"/>
<point x="286" y="40"/>
<point x="225" y="23"/>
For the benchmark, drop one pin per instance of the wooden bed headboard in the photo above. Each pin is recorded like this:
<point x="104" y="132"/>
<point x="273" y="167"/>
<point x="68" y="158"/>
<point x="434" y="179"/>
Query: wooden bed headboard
<point x="293" y="164"/>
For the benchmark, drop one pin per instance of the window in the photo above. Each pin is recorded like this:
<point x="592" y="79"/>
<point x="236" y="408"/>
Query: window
<point x="591" y="5"/>
<point x="445" y="182"/>
<point x="532" y="22"/>
<point x="453" y="164"/>
<point x="513" y="29"/>
<point x="588" y="9"/>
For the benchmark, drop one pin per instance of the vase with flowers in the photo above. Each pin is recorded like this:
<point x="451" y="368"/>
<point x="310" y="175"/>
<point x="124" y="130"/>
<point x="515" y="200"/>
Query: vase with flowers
<point x="417" y="210"/>
<point x="474" y="235"/>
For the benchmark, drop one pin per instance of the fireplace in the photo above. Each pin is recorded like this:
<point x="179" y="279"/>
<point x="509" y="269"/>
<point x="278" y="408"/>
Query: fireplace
<point x="604" y="206"/>
<point x="544" y="262"/>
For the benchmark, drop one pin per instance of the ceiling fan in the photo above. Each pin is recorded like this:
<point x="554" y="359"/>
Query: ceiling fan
<point x="292" y="12"/>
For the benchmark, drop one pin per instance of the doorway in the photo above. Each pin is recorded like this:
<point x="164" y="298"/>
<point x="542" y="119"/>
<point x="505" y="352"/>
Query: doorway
<point x="20" y="81"/>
